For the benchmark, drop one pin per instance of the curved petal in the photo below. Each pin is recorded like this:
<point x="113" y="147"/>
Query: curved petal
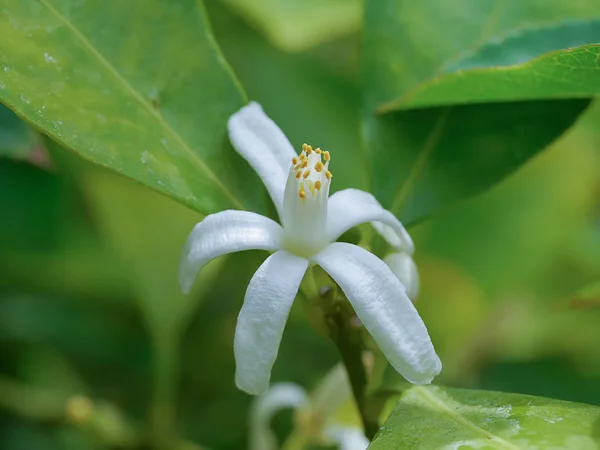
<point x="351" y="207"/>
<point x="222" y="233"/>
<point x="260" y="142"/>
<point x="381" y="304"/>
<point x="280" y="396"/>
<point x="405" y="269"/>
<point x="262" y="319"/>
<point x="347" y="438"/>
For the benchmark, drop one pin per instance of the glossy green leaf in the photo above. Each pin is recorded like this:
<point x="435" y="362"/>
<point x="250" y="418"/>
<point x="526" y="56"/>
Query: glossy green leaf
<point x="570" y="73"/>
<point x="410" y="46"/>
<point x="525" y="64"/>
<point x="153" y="107"/>
<point x="297" y="25"/>
<point x="426" y="54"/>
<point x="439" y="418"/>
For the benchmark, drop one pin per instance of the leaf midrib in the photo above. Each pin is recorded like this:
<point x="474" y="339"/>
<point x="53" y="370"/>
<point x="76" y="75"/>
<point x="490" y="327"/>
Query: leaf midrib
<point x="200" y="164"/>
<point x="438" y="403"/>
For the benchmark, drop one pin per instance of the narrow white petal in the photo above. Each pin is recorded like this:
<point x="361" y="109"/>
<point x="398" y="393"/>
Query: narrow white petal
<point x="262" y="319"/>
<point x="347" y="438"/>
<point x="222" y="233"/>
<point x="382" y="305"/>
<point x="260" y="142"/>
<point x="405" y="269"/>
<point x="351" y="207"/>
<point x="280" y="396"/>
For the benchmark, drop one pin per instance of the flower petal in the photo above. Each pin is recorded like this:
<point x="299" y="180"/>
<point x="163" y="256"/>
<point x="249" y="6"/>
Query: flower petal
<point x="381" y="304"/>
<point x="405" y="269"/>
<point x="280" y="396"/>
<point x="260" y="142"/>
<point x="351" y="207"/>
<point x="347" y="438"/>
<point x="222" y="233"/>
<point x="262" y="319"/>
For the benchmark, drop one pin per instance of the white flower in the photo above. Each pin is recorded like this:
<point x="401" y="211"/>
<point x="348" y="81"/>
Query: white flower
<point x="405" y="269"/>
<point x="312" y="221"/>
<point x="347" y="438"/>
<point x="280" y="396"/>
<point x="289" y="395"/>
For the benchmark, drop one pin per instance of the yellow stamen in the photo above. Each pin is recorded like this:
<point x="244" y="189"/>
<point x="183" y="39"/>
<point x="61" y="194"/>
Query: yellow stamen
<point x="302" y="156"/>
<point x="306" y="174"/>
<point x="317" y="185"/>
<point x="302" y="194"/>
<point x="326" y="156"/>
<point x="309" y="150"/>
<point x="319" y="166"/>
<point x="298" y="174"/>
<point x="318" y="151"/>
<point x="328" y="174"/>
<point x="304" y="163"/>
<point x="304" y="147"/>
<point x="294" y="161"/>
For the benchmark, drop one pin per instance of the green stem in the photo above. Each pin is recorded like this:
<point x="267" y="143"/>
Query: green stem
<point x="348" y="339"/>
<point x="166" y="373"/>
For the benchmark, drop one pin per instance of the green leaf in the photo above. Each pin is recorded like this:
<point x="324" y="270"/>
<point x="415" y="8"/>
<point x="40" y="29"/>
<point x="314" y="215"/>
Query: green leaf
<point x="425" y="160"/>
<point x="408" y="44"/>
<point x="297" y="25"/>
<point x="511" y="70"/>
<point x="140" y="87"/>
<point x="439" y="418"/>
<point x="426" y="54"/>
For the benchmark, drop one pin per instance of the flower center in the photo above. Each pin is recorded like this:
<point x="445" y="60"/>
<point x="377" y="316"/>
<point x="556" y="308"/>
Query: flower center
<point x="305" y="201"/>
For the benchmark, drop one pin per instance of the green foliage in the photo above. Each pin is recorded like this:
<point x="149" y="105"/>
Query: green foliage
<point x="435" y="418"/>
<point x="429" y="40"/>
<point x="433" y="103"/>
<point x="153" y="108"/>
<point x="448" y="154"/>
<point x="416" y="55"/>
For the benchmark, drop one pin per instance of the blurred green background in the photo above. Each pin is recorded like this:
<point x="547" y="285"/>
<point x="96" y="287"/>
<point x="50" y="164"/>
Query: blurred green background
<point x="88" y="266"/>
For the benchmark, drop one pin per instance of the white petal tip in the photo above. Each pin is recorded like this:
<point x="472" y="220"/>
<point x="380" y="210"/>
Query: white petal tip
<point x="187" y="274"/>
<point x="427" y="376"/>
<point x="249" y="388"/>
<point x="251" y="108"/>
<point x="185" y="287"/>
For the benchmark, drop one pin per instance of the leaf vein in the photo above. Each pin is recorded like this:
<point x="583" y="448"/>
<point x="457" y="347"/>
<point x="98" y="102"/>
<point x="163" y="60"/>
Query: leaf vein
<point x="439" y="404"/>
